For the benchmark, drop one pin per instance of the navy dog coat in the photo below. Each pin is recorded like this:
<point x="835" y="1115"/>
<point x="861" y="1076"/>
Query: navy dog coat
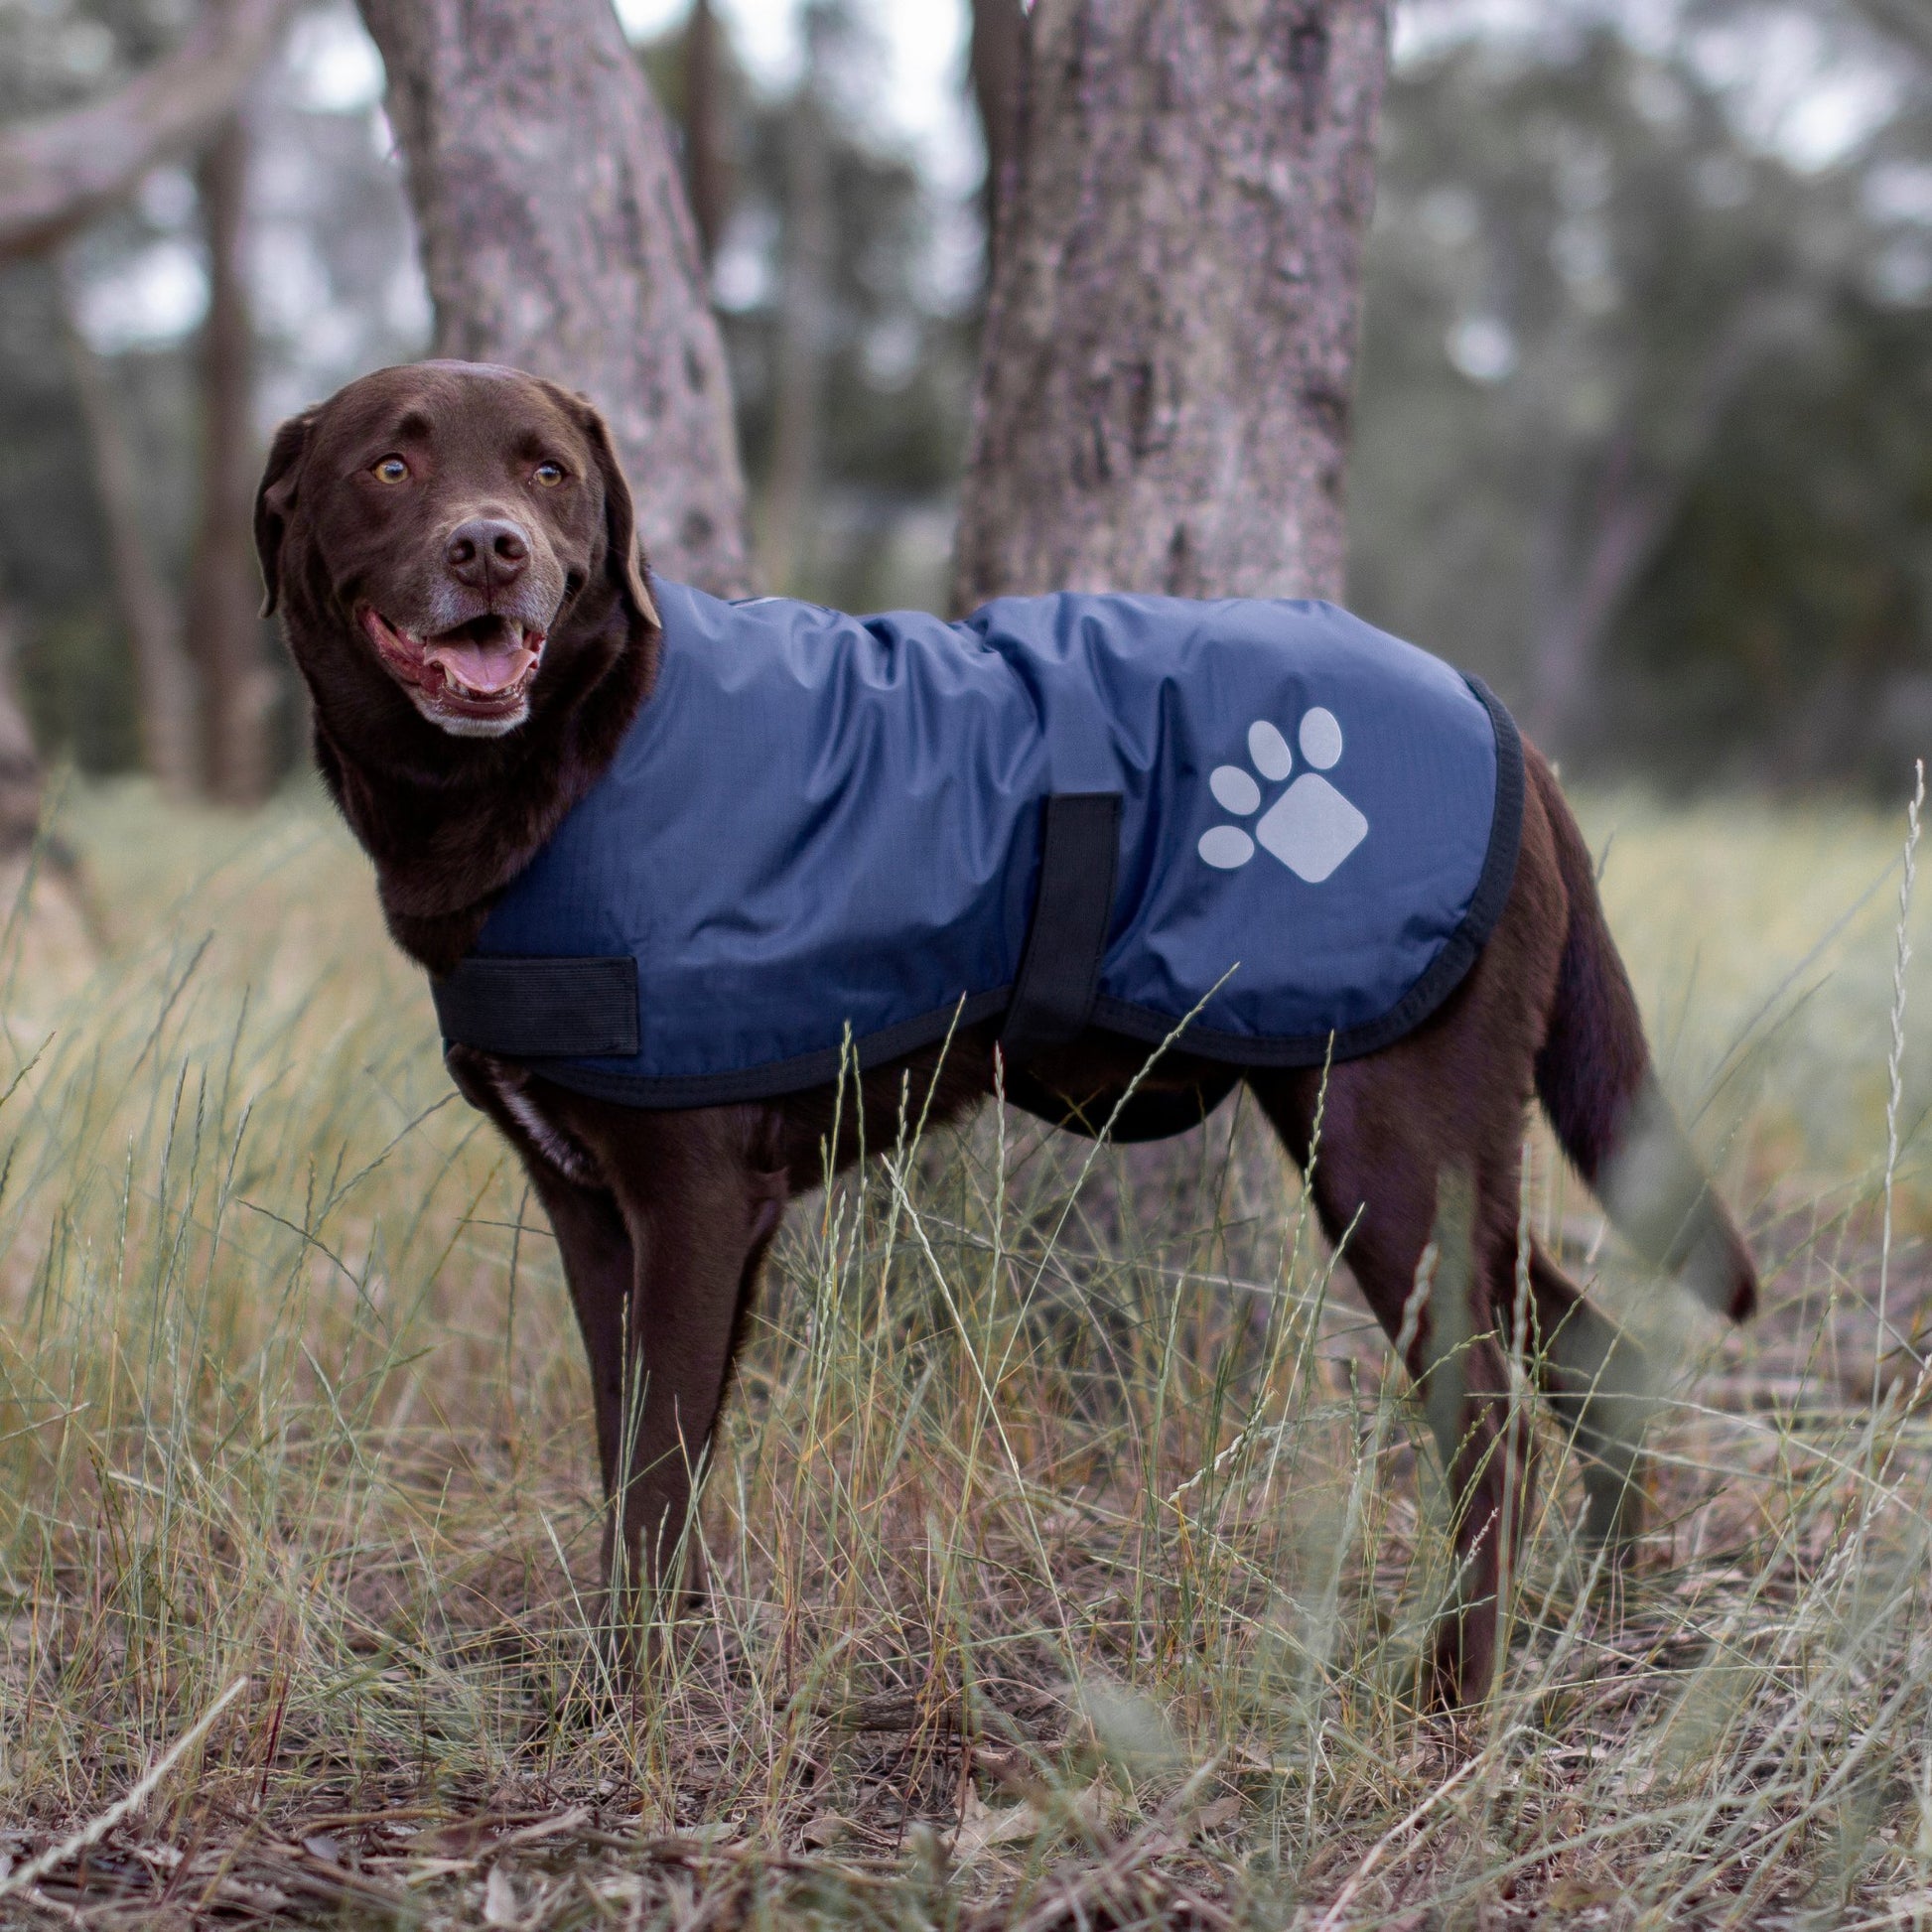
<point x="1265" y="826"/>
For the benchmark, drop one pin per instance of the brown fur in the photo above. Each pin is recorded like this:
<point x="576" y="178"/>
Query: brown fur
<point x="664" y="1218"/>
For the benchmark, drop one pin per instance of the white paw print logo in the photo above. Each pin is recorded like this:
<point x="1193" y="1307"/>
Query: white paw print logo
<point x="1310" y="828"/>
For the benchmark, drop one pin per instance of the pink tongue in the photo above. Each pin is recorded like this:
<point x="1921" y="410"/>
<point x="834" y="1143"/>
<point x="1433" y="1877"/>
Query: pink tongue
<point x="482" y="667"/>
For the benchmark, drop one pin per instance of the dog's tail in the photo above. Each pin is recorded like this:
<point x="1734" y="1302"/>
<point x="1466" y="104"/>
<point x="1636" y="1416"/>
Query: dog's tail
<point x="1596" y="1084"/>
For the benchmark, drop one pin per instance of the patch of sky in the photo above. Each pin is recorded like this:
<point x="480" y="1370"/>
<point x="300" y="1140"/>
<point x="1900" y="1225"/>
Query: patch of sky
<point x="1482" y="348"/>
<point x="1795" y="89"/>
<point x="87" y="49"/>
<point x="919" y="101"/>
<point x="144" y="299"/>
<point x="166" y="198"/>
<point x="332" y="64"/>
<point x="1449" y="215"/>
<point x="743" y="275"/>
<point x="1902" y="273"/>
<point x="1899" y="192"/>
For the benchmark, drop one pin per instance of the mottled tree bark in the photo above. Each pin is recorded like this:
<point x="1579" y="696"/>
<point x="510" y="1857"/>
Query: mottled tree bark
<point x="1171" y="343"/>
<point x="556" y="237"/>
<point x="223" y="626"/>
<point x="999" y="57"/>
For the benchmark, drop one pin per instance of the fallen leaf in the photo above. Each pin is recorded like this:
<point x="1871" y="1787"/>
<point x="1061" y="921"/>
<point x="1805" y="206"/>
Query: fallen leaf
<point x="426" y="1870"/>
<point x="1012" y="1769"/>
<point x="828" y="1827"/>
<point x="322" y="1845"/>
<point x="1218" y="1816"/>
<point x="984" y="1826"/>
<point x="500" y="1898"/>
<point x="564" y="1821"/>
<point x="1576" y="1894"/>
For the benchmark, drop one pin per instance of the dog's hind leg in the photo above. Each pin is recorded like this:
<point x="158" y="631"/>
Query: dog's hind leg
<point x="1593" y="1376"/>
<point x="1395" y="1172"/>
<point x="1594" y="1078"/>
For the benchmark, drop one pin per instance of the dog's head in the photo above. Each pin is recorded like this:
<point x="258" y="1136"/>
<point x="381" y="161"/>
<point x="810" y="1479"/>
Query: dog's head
<point x="451" y="537"/>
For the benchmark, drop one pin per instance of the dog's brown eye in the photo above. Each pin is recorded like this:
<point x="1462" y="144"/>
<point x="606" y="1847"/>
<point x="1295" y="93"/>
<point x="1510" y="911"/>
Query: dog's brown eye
<point x="392" y="470"/>
<point x="550" y="475"/>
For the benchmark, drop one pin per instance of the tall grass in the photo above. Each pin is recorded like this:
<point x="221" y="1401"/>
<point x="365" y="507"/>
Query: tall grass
<point x="1071" y="1548"/>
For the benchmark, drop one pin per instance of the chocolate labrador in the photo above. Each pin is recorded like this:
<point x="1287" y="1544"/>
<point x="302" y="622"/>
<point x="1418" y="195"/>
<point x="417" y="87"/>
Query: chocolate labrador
<point x="453" y="550"/>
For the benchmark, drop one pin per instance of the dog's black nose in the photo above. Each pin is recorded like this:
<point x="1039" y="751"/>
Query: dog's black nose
<point x="486" y="551"/>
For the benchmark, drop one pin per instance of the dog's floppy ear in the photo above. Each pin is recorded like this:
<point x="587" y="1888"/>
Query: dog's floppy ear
<point x="275" y="498"/>
<point x="625" y="556"/>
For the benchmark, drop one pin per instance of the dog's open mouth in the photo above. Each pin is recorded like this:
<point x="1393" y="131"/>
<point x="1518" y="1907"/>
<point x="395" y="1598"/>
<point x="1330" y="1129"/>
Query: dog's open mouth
<point x="479" y="672"/>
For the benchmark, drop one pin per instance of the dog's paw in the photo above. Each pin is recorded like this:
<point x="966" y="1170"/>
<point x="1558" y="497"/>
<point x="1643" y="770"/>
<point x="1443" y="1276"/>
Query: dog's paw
<point x="1310" y="828"/>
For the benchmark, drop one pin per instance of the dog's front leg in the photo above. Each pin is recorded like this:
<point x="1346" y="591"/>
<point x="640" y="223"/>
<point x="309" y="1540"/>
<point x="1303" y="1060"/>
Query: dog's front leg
<point x="699" y="1200"/>
<point x="663" y="1221"/>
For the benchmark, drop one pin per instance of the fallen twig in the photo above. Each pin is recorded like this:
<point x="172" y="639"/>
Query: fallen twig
<point x="92" y="1833"/>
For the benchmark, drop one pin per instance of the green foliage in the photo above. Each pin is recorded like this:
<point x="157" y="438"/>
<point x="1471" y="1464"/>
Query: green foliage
<point x="898" y="341"/>
<point x="73" y="674"/>
<point x="1614" y="334"/>
<point x="335" y="292"/>
<point x="1791" y="606"/>
<point x="1615" y="338"/>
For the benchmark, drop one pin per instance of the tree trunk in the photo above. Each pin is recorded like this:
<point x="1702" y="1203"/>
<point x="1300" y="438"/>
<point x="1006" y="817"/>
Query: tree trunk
<point x="1584" y="580"/>
<point x="150" y="614"/>
<point x="556" y="237"/>
<point x="20" y="764"/>
<point x="47" y="937"/>
<point x="225" y="631"/>
<point x="1169" y="351"/>
<point x="998" y="62"/>
<point x="706" y="170"/>
<point x="799" y="374"/>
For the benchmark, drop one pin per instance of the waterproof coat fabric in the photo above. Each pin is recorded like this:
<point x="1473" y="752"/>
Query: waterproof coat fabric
<point x="823" y="835"/>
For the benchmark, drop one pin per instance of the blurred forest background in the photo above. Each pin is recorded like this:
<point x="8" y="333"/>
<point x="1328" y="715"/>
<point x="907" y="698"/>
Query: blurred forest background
<point x="1643" y="431"/>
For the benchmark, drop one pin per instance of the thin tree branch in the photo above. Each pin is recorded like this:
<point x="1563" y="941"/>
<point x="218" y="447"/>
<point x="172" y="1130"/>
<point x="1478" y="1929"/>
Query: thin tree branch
<point x="57" y="173"/>
<point x="150" y="611"/>
<point x="1637" y="506"/>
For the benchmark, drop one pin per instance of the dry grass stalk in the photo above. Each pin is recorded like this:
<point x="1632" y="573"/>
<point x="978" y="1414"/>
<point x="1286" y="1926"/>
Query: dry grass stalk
<point x="1072" y="1545"/>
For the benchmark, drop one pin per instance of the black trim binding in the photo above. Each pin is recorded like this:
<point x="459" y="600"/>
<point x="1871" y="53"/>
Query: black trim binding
<point x="551" y="1008"/>
<point x="1073" y="905"/>
<point x="1152" y="1114"/>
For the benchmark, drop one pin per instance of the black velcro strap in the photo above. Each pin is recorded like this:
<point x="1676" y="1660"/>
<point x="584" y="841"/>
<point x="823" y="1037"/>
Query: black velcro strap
<point x="541" y="1009"/>
<point x="1079" y="853"/>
